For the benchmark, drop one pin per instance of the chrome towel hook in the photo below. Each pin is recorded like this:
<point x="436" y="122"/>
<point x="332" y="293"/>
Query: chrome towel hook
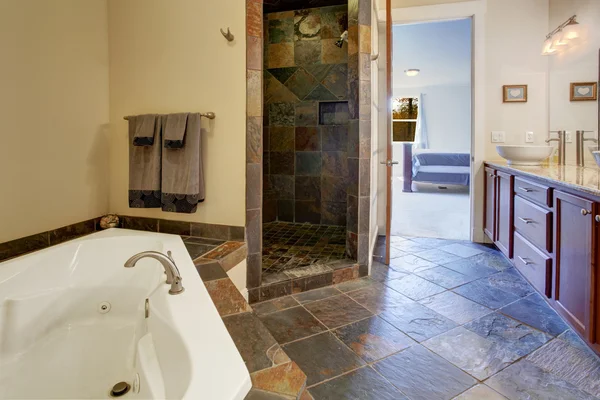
<point x="227" y="35"/>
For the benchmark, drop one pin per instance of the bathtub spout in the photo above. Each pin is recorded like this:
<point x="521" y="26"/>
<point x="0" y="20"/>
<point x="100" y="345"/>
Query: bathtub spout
<point x="173" y="276"/>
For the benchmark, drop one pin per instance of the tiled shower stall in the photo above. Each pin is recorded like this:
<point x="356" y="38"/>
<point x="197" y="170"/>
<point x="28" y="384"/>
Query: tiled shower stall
<point x="315" y="129"/>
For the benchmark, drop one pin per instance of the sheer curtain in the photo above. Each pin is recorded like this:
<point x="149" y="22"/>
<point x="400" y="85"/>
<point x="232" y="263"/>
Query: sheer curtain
<point x="421" y="140"/>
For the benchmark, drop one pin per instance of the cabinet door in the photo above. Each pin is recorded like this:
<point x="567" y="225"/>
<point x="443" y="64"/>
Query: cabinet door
<point x="573" y="224"/>
<point x="489" y="218"/>
<point x="504" y="214"/>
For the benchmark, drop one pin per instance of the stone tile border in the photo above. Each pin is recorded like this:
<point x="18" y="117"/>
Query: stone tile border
<point x="183" y="228"/>
<point x="271" y="370"/>
<point x="336" y="273"/>
<point x="18" y="247"/>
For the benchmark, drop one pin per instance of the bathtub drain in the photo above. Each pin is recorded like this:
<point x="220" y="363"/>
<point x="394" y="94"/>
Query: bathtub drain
<point x="120" y="389"/>
<point x="104" y="307"/>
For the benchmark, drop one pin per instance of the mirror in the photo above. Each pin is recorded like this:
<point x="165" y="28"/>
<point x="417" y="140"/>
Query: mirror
<point x="573" y="74"/>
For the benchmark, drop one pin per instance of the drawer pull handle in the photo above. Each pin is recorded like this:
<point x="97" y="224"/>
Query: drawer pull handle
<point x="526" y="190"/>
<point x="527" y="220"/>
<point x="525" y="261"/>
<point x="492" y="175"/>
<point x="585" y="212"/>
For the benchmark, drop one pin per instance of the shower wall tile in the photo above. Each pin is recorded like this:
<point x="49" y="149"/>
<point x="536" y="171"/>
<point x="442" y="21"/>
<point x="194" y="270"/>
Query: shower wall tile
<point x="307" y="113"/>
<point x="364" y="39"/>
<point x="282" y="74"/>
<point x="175" y="227"/>
<point x="307" y="188"/>
<point x="253" y="139"/>
<point x="333" y="213"/>
<point x="254" y="48"/>
<point x="319" y="71"/>
<point x="308" y="163"/>
<point x="308" y="211"/>
<point x="283" y="186"/>
<point x="335" y="163"/>
<point x="334" y="21"/>
<point x="280" y="15"/>
<point x="308" y="138"/>
<point x="353" y="176"/>
<point x="336" y="80"/>
<point x="307" y="52"/>
<point x="353" y="12"/>
<point x="254" y="18"/>
<point x="281" y="30"/>
<point x="352" y="214"/>
<point x="321" y="93"/>
<point x="281" y="138"/>
<point x="285" y="210"/>
<point x="307" y="24"/>
<point x="331" y="54"/>
<point x="280" y="55"/>
<point x="333" y="188"/>
<point x="352" y="39"/>
<point x="364" y="12"/>
<point x="364" y="139"/>
<point x="254" y="183"/>
<point x="334" y="137"/>
<point x="281" y="114"/>
<point x="364" y="177"/>
<point x="301" y="83"/>
<point x="269" y="210"/>
<point x="333" y="113"/>
<point x="254" y="93"/>
<point x="364" y="67"/>
<point x="353" y="138"/>
<point x="282" y="163"/>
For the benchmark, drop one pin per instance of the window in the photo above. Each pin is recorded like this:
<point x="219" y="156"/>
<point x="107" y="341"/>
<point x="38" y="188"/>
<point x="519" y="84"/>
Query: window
<point x="404" y="118"/>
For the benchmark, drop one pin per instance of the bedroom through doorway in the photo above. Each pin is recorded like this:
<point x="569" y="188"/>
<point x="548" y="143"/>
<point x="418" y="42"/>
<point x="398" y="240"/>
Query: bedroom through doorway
<point x="431" y="129"/>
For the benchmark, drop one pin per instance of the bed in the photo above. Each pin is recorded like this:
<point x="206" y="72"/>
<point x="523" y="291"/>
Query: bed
<point x="441" y="168"/>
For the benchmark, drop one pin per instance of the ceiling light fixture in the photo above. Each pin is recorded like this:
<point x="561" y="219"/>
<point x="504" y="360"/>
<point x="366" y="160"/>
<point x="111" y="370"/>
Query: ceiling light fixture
<point x="559" y="38"/>
<point x="412" y="72"/>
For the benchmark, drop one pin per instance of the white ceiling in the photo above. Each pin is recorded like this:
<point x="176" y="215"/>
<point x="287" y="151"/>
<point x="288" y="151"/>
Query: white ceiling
<point x="415" y="3"/>
<point x="441" y="50"/>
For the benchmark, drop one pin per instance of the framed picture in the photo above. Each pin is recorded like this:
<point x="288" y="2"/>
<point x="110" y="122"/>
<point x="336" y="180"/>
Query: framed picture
<point x="584" y="91"/>
<point x="514" y="93"/>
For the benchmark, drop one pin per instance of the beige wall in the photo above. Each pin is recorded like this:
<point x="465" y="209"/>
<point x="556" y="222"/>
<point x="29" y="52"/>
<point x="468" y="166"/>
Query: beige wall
<point x="54" y="113"/>
<point x="169" y="56"/>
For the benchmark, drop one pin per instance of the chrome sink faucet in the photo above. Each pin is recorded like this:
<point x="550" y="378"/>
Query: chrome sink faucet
<point x="561" y="145"/>
<point x="173" y="276"/>
<point x="580" y="142"/>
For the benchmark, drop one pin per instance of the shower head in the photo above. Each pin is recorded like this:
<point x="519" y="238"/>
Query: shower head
<point x="343" y="38"/>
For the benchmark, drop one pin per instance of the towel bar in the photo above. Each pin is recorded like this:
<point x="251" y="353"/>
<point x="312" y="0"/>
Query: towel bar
<point x="209" y="115"/>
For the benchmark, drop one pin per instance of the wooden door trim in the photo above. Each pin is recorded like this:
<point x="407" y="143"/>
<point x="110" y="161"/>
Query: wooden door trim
<point x="388" y="124"/>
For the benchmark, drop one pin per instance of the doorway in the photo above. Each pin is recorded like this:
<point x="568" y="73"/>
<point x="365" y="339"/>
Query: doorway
<point x="432" y="130"/>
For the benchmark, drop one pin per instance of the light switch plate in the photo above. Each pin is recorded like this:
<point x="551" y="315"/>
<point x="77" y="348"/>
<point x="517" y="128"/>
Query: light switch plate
<point x="568" y="136"/>
<point x="528" y="137"/>
<point x="498" y="136"/>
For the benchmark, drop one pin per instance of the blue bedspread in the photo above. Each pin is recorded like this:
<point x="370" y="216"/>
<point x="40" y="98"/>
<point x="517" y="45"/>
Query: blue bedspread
<point x="442" y="168"/>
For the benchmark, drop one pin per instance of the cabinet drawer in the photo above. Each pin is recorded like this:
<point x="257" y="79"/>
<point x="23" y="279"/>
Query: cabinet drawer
<point x="533" y="222"/>
<point x="533" y="264"/>
<point x="533" y="191"/>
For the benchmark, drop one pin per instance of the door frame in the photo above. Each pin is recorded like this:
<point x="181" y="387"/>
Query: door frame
<point x="475" y="10"/>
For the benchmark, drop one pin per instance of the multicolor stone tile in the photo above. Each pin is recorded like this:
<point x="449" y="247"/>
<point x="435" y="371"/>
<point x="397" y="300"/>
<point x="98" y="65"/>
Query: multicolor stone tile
<point x="337" y="311"/>
<point x="301" y="84"/>
<point x="286" y="379"/>
<point x="364" y="384"/>
<point x="281" y="55"/>
<point x="307" y="138"/>
<point x="281" y="30"/>
<point x="226" y="297"/>
<point x="306" y="52"/>
<point x="307" y="24"/>
<point x="292" y="324"/>
<point x="332" y="54"/>
<point x="322" y="357"/>
<point x="271" y="306"/>
<point x="373" y="339"/>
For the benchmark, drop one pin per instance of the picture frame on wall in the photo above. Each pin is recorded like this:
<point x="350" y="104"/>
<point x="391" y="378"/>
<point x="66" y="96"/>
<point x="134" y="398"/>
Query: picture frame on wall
<point x="584" y="91"/>
<point x="514" y="93"/>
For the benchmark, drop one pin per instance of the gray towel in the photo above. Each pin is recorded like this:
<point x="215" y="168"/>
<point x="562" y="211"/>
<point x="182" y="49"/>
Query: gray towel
<point x="144" y="169"/>
<point x="146" y="130"/>
<point x="174" y="133"/>
<point x="182" y="177"/>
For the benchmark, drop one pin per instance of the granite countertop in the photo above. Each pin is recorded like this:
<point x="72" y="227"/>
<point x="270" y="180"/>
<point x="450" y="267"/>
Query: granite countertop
<point x="585" y="179"/>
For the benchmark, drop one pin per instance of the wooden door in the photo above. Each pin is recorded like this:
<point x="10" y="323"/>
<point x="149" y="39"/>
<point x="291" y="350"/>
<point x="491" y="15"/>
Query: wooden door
<point x="389" y="152"/>
<point x="504" y="212"/>
<point x="572" y="268"/>
<point x="489" y="208"/>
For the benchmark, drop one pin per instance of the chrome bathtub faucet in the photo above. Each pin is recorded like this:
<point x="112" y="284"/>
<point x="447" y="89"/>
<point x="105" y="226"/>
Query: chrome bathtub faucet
<point x="173" y="276"/>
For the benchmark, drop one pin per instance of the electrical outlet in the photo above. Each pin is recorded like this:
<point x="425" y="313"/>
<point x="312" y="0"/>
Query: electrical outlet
<point x="498" y="136"/>
<point x="569" y="137"/>
<point x="528" y="137"/>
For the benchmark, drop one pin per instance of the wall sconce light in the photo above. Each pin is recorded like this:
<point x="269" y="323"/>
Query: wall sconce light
<point x="558" y="39"/>
<point x="412" y="72"/>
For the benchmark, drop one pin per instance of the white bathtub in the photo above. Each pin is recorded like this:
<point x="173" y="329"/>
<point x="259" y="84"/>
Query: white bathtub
<point x="56" y="341"/>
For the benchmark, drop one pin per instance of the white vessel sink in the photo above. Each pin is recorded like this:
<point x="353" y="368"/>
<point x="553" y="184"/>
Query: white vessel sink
<point x="524" y="155"/>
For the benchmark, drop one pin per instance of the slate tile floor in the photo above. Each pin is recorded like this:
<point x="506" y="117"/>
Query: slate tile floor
<point x="446" y="320"/>
<point x="288" y="245"/>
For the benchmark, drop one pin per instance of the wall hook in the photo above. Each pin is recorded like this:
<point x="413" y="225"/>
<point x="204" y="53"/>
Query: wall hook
<point x="228" y="35"/>
<point x="374" y="57"/>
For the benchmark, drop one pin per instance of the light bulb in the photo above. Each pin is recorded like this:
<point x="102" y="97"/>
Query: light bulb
<point x="548" y="47"/>
<point x="412" y="72"/>
<point x="560" y="39"/>
<point x="572" y="31"/>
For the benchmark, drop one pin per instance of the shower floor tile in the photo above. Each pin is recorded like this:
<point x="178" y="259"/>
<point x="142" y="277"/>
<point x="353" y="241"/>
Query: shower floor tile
<point x="288" y="246"/>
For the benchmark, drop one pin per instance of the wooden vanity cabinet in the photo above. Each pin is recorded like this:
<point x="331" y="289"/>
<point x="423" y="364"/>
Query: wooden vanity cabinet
<point x="505" y="214"/>
<point x="572" y="267"/>
<point x="489" y="219"/>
